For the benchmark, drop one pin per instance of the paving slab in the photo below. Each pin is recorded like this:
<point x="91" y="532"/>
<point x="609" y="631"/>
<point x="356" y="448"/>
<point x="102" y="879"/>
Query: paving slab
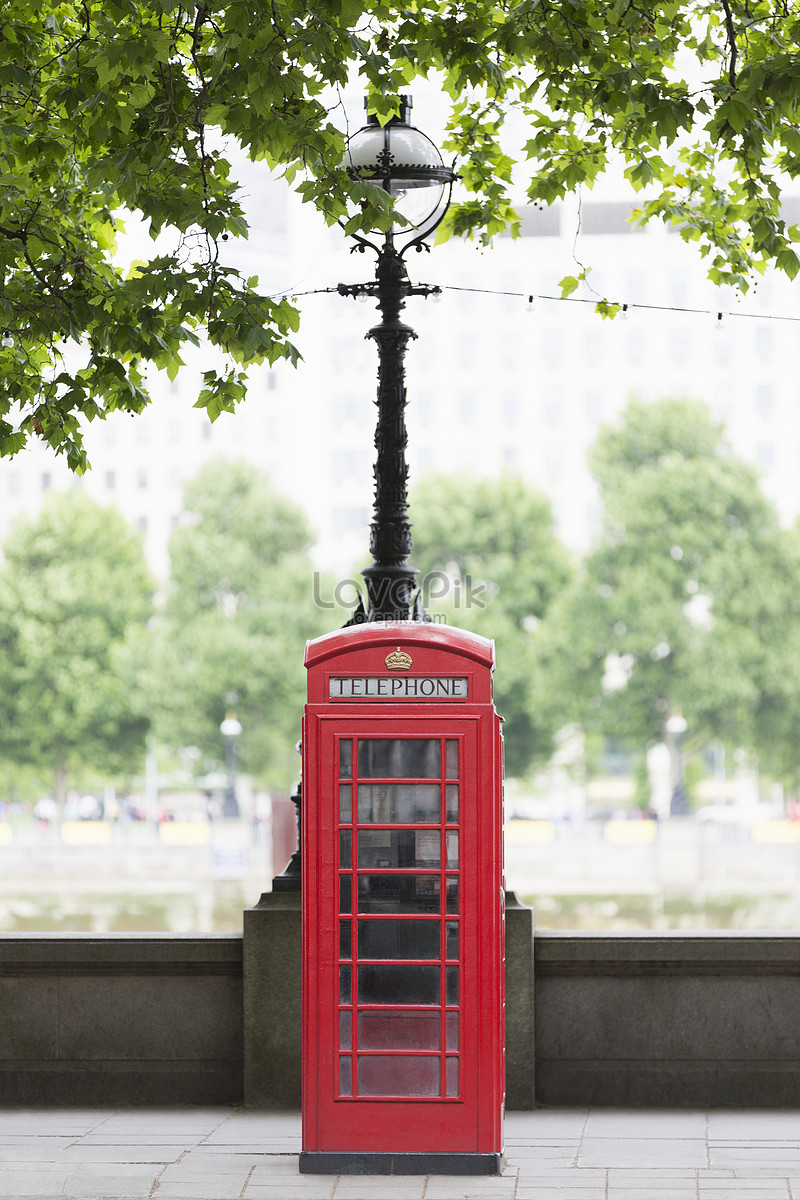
<point x="316" y="1188"/>
<point x="643" y="1152"/>
<point x="645" y="1124"/>
<point x="755" y="1124"/>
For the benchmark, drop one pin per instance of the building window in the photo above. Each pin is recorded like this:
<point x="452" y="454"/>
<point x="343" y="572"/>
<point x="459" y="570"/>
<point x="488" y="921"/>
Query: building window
<point x="111" y="481"/>
<point x="348" y="462"/>
<point x="594" y="403"/>
<point x="552" y="408"/>
<point x="553" y="465"/>
<point x="141" y="525"/>
<point x="14" y="483"/>
<point x="47" y="480"/>
<point x="764" y="399"/>
<point x="680" y="345"/>
<point x="765" y="455"/>
<point x="348" y="520"/>
<point x="552" y="348"/>
<point x="141" y="479"/>
<point x="593" y="348"/>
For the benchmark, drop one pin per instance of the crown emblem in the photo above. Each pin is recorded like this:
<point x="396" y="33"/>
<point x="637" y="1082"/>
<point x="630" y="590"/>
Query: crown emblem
<point x="398" y="660"/>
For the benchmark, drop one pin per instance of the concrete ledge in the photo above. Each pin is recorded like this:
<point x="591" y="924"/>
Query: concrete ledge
<point x="667" y="954"/>
<point x="146" y="953"/>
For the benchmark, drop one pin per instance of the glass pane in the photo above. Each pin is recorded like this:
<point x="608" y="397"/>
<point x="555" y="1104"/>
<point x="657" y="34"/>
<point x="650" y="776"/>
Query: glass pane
<point x="452" y="894"/>
<point x="345" y="939"/>
<point x="346" y="759"/>
<point x="452" y="802"/>
<point x="452" y="939"/>
<point x="399" y="803"/>
<point x="451" y="758"/>
<point x="452" y="984"/>
<point x="399" y="848"/>
<point x="452" y="1032"/>
<point x="399" y="1031"/>
<point x="346" y="803"/>
<point x="401" y="984"/>
<point x="345" y="1077"/>
<point x="398" y="893"/>
<point x="452" y="1076"/>
<point x="399" y="758"/>
<point x="345" y="985"/>
<point x="398" y="1075"/>
<point x="452" y="850"/>
<point x="345" y="841"/>
<point x="398" y="939"/>
<point x="346" y="1031"/>
<point x="345" y="893"/>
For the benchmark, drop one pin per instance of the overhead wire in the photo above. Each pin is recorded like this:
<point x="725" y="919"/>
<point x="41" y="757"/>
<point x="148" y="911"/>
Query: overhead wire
<point x="623" y="308"/>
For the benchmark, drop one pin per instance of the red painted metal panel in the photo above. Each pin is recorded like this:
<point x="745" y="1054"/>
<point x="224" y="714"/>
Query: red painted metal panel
<point x="402" y="895"/>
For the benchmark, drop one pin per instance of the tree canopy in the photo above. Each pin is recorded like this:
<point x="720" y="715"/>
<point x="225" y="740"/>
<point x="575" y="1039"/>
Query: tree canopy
<point x="491" y="562"/>
<point x="690" y="599"/>
<point x="75" y="596"/>
<point x="115" y="106"/>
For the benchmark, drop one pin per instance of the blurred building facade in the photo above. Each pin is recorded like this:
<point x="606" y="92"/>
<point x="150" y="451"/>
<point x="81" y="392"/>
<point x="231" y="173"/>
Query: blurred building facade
<point x="492" y="386"/>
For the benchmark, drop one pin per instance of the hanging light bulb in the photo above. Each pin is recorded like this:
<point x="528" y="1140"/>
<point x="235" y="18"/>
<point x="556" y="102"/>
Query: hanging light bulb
<point x="362" y="297"/>
<point x="625" y="314"/>
<point x="436" y="296"/>
<point x="531" y="305"/>
<point x="7" y="342"/>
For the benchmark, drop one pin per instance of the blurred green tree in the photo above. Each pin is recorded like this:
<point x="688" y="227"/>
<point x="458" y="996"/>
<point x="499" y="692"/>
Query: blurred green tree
<point x="75" y="598"/>
<point x="689" y="602"/>
<point x="490" y="561"/>
<point x="238" y="611"/>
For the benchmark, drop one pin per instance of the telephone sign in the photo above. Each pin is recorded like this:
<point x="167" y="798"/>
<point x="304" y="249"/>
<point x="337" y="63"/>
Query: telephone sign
<point x="403" y="1007"/>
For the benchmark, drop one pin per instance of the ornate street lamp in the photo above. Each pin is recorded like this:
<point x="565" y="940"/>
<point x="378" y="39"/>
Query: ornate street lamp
<point x="405" y="163"/>
<point x="230" y="730"/>
<point x="676" y="726"/>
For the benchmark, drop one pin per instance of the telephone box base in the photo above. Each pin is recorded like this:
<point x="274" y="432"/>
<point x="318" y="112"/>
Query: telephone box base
<point x="345" y="1162"/>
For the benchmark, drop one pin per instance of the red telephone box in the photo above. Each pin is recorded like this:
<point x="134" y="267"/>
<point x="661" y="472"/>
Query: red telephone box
<point x="403" y="1004"/>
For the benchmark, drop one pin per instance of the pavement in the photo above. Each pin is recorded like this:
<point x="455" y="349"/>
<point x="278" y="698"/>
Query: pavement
<point x="558" y="1153"/>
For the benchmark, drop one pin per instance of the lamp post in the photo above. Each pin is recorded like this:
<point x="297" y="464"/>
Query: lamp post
<point x="676" y="727"/>
<point x="404" y="162"/>
<point x="230" y="730"/>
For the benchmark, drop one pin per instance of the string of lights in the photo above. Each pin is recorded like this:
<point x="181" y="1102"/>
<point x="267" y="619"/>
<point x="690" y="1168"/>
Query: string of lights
<point x="623" y="309"/>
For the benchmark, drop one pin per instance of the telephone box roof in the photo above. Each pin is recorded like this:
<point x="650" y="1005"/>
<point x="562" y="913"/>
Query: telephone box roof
<point x="405" y="633"/>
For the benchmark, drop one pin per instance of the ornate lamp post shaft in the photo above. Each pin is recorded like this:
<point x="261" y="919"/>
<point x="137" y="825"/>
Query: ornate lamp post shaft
<point x="391" y="580"/>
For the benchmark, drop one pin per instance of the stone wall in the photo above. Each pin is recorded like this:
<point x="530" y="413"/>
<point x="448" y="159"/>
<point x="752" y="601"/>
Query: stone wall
<point x="120" y="1019"/>
<point x="693" y="1020"/>
<point x="628" y="1019"/>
